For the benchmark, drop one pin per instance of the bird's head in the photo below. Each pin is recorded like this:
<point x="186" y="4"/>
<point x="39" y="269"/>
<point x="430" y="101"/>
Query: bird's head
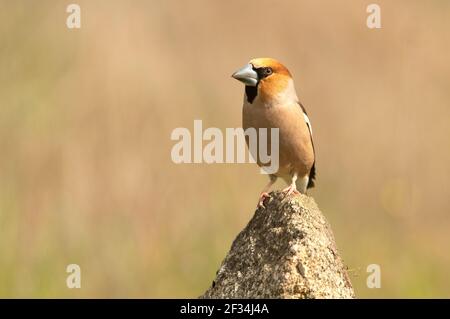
<point x="267" y="79"/>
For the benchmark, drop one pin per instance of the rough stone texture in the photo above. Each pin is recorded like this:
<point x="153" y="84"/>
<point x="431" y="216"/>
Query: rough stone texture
<point x="286" y="251"/>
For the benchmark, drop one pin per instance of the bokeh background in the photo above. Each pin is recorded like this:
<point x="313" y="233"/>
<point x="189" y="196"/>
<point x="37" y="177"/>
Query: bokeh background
<point x="86" y="115"/>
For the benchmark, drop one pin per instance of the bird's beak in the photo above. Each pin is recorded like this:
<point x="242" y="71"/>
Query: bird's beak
<point x="246" y="75"/>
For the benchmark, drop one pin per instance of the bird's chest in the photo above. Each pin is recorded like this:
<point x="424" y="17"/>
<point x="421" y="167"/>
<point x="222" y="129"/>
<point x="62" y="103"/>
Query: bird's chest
<point x="288" y="120"/>
<point x="292" y="141"/>
<point x="261" y="117"/>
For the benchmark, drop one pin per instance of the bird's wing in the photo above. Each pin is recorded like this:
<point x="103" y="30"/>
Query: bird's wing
<point x="312" y="173"/>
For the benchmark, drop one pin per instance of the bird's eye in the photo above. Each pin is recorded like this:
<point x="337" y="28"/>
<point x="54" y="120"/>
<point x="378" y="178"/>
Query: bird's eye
<point x="264" y="72"/>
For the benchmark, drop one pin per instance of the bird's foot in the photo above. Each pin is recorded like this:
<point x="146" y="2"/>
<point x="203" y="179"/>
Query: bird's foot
<point x="291" y="189"/>
<point x="262" y="198"/>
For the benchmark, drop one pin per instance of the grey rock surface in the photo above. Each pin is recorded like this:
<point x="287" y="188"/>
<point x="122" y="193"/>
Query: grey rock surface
<point x="287" y="250"/>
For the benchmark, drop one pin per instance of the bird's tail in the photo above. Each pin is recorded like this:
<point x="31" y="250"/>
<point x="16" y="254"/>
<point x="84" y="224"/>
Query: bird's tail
<point x="312" y="176"/>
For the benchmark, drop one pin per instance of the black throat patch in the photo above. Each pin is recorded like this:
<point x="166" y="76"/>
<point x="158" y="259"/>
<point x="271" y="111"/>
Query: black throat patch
<point x="251" y="92"/>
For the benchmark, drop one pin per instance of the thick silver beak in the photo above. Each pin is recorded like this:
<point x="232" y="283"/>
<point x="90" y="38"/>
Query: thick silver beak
<point x="246" y="75"/>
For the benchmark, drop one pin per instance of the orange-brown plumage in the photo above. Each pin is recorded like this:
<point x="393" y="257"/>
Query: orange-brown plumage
<point x="274" y="84"/>
<point x="271" y="102"/>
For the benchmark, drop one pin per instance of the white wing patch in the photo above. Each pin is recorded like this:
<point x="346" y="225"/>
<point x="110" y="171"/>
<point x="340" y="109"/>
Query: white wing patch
<point x="308" y="123"/>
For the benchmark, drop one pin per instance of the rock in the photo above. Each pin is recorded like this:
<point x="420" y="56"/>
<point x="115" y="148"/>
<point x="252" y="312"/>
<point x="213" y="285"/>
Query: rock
<point x="287" y="250"/>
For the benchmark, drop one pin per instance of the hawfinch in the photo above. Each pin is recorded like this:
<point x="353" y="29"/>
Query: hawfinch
<point x="270" y="101"/>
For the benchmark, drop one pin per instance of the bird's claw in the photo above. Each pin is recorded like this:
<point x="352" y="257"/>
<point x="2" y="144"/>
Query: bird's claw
<point x="262" y="198"/>
<point x="291" y="189"/>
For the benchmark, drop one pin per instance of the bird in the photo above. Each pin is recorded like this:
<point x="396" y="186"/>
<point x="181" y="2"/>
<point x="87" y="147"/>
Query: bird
<point x="271" y="101"/>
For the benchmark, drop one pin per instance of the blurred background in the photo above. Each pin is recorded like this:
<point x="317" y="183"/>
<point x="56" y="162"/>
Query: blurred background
<point x="86" y="115"/>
